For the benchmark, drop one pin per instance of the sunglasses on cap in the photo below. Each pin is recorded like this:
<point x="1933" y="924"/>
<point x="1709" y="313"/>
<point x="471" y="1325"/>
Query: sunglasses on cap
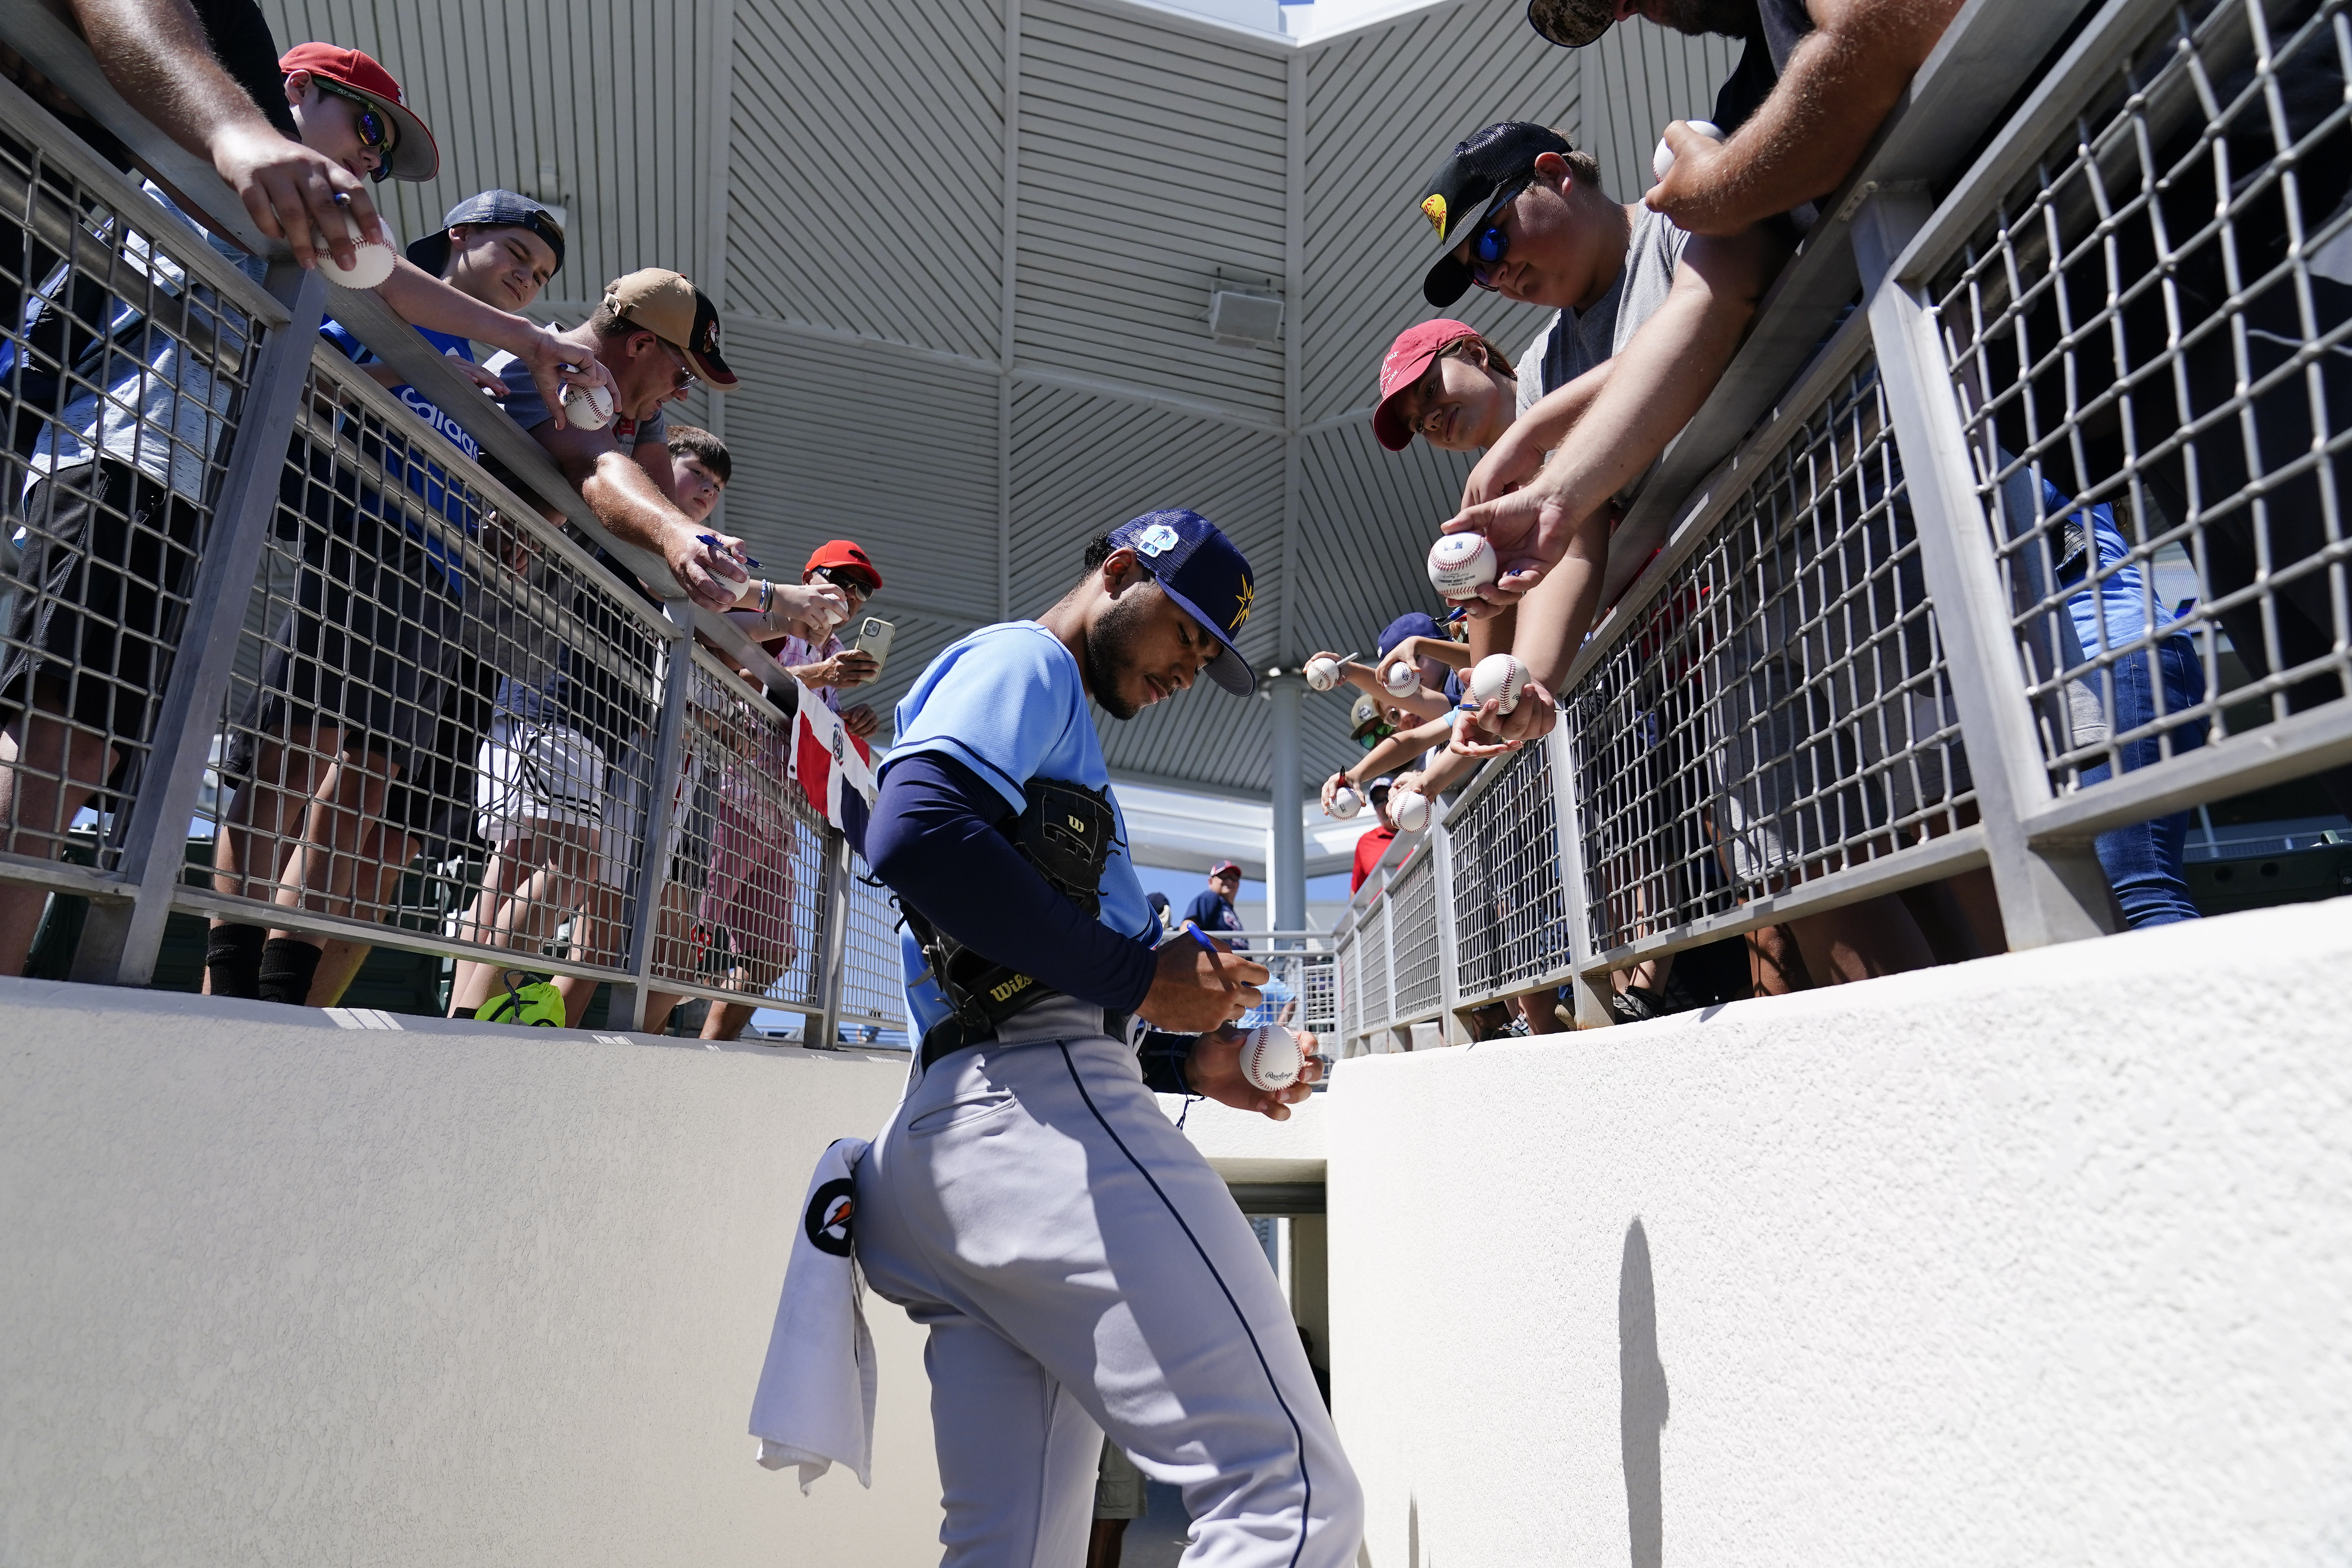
<point x="376" y="132"/>
<point x="848" y="579"/>
<point x="1489" y="243"/>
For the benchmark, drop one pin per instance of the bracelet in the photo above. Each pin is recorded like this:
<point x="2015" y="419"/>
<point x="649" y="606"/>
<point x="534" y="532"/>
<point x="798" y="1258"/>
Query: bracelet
<point x="767" y="594"/>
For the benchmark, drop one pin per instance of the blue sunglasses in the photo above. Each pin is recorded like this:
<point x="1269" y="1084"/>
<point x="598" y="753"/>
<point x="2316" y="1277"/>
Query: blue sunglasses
<point x="1488" y="243"/>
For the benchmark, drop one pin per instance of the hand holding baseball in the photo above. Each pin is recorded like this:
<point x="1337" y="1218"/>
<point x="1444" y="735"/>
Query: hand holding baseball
<point x="1487" y="732"/>
<point x="1696" y="176"/>
<point x="1529" y="530"/>
<point x="1214" y="1072"/>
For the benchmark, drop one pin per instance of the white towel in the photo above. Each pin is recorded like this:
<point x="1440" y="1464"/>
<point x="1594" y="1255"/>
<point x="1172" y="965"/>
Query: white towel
<point x="814" y="1407"/>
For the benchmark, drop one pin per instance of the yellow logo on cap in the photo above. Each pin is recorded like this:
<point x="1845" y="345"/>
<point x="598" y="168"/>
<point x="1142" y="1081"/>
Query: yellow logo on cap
<point x="1434" y="207"/>
<point x="1242" y="614"/>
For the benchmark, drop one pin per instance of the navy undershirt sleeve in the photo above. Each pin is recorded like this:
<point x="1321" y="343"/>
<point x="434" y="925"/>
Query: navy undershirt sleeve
<point x="936" y="838"/>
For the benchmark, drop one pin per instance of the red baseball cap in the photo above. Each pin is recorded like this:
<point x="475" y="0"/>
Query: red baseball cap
<point x="1222" y="866"/>
<point x="413" y="155"/>
<point x="841" y="552"/>
<point x="1407" y="360"/>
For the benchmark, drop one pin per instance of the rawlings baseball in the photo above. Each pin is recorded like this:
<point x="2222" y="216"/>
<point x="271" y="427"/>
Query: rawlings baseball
<point x="1498" y="678"/>
<point x="1409" y="808"/>
<point x="1346" y="803"/>
<point x="1460" y="564"/>
<point x="1663" y="160"/>
<point x="1322" y="674"/>
<point x="1270" y="1056"/>
<point x="370" y="262"/>
<point x="587" y="406"/>
<point x="1400" y="678"/>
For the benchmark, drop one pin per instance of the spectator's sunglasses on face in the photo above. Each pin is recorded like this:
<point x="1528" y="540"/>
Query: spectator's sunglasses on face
<point x="684" y="381"/>
<point x="848" y="582"/>
<point x="1375" y="735"/>
<point x="376" y="129"/>
<point x="1490" y="242"/>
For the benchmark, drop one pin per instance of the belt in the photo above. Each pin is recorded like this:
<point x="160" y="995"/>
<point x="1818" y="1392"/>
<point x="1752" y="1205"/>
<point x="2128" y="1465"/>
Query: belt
<point x="950" y="1035"/>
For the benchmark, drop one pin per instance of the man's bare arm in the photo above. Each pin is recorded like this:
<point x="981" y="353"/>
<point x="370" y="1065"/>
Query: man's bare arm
<point x="156" y="54"/>
<point x="627" y="502"/>
<point x="1519" y="455"/>
<point x="1802" y="141"/>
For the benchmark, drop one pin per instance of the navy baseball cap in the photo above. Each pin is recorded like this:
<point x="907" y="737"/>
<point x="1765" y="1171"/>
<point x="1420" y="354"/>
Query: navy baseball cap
<point x="1415" y="624"/>
<point x="1466" y="186"/>
<point x="497" y="209"/>
<point x="1197" y="566"/>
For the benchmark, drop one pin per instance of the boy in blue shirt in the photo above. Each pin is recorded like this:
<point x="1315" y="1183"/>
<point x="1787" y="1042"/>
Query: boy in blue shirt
<point x="1081" y="1268"/>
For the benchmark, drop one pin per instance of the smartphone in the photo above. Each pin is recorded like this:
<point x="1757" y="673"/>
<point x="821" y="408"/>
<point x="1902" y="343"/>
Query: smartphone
<point x="874" y="637"/>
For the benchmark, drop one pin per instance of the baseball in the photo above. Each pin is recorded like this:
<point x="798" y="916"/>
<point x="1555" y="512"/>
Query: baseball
<point x="1346" y="803"/>
<point x="1500" y="678"/>
<point x="1409" y="809"/>
<point x="1322" y="674"/>
<point x="587" y="406"/>
<point x="1663" y="160"/>
<point x="1400" y="678"/>
<point x="1270" y="1056"/>
<point x="1460" y="564"/>
<point x="370" y="262"/>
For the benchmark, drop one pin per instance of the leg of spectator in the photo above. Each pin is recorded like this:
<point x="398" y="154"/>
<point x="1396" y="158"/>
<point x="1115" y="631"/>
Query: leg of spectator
<point x="323" y="871"/>
<point x="49" y="771"/>
<point x="384" y="856"/>
<point x="728" y="1020"/>
<point x="1861" y="941"/>
<point x="1944" y="921"/>
<point x="257" y="827"/>
<point x="1775" y="966"/>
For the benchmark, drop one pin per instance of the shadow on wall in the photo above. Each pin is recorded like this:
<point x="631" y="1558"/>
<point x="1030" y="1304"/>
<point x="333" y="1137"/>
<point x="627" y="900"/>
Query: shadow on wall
<point x="1641" y="1407"/>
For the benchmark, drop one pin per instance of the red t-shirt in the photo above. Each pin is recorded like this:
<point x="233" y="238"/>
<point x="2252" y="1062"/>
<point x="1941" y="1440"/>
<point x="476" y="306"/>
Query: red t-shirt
<point x="1368" y="850"/>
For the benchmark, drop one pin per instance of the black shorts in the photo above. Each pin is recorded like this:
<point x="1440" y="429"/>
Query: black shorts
<point x="369" y="647"/>
<point x="102" y="595"/>
<point x="433" y="800"/>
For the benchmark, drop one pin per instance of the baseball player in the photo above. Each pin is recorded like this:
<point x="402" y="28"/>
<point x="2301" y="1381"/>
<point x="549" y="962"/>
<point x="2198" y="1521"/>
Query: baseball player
<point x="1080" y="1268"/>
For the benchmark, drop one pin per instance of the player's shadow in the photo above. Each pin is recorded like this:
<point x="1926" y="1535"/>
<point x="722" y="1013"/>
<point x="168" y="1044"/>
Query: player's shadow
<point x="1642" y="1399"/>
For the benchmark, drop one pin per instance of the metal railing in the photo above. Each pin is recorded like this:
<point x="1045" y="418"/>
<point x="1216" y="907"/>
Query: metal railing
<point x="253" y="598"/>
<point x="2016" y="521"/>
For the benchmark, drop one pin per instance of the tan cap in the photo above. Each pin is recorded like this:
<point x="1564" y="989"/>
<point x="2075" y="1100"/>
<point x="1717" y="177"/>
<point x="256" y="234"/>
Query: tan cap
<point x="666" y="305"/>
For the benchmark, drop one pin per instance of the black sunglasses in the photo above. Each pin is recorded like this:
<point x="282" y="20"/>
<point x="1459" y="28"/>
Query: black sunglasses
<point x="1488" y="243"/>
<point x="376" y="130"/>
<point x="846" y="580"/>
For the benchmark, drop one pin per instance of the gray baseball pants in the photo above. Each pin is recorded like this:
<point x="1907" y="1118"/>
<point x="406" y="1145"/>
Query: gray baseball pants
<point x="1083" y="1271"/>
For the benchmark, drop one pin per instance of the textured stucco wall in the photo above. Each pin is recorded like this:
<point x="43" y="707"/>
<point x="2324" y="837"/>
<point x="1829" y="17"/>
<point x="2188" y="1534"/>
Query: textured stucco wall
<point x="2043" y="1260"/>
<point x="279" y="1292"/>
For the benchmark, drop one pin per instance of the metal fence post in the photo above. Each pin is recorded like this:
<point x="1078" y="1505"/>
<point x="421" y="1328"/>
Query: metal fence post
<point x="2049" y="892"/>
<point x="1591" y="1008"/>
<point x="120" y="940"/>
<point x="1449" y="970"/>
<point x="652" y="880"/>
<point x="833" y="981"/>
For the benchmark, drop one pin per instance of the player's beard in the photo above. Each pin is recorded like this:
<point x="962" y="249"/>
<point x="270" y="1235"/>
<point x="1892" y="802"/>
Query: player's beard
<point x="1110" y="643"/>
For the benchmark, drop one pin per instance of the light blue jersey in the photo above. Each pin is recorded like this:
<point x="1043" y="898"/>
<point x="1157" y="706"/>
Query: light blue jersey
<point x="1008" y="703"/>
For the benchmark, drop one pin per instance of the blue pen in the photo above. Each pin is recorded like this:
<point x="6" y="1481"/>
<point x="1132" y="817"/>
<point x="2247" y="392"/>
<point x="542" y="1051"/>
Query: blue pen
<point x="712" y="541"/>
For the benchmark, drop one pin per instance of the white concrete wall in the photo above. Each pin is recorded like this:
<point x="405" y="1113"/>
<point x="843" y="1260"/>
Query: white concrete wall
<point x="2046" y="1260"/>
<point x="282" y="1292"/>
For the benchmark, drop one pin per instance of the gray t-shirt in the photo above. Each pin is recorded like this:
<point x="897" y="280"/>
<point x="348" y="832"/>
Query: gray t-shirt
<point x="527" y="408"/>
<point x="1579" y="340"/>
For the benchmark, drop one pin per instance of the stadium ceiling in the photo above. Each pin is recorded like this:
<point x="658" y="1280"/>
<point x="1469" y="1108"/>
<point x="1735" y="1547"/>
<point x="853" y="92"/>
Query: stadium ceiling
<point x="967" y="251"/>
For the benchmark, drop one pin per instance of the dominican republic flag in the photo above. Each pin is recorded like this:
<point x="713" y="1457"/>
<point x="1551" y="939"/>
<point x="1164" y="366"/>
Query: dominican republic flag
<point x="835" y="767"/>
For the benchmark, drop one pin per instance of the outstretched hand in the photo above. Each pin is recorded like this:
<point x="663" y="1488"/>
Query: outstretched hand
<point x="293" y="193"/>
<point x="1214" y="1072"/>
<point x="1530" y="530"/>
<point x="1486" y="731"/>
<point x="1698" y="192"/>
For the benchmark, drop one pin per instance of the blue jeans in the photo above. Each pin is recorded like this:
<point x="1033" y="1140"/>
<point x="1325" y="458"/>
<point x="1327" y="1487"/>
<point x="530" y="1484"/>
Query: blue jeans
<point x="2143" y="862"/>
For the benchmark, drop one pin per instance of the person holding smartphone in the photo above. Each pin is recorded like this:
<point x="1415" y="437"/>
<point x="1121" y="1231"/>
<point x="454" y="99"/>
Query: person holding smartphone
<point x="832" y="665"/>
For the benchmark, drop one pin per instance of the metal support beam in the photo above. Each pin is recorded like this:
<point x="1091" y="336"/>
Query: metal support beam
<point x="827" y="1024"/>
<point x="1591" y="1008"/>
<point x="1286" y="856"/>
<point x="120" y="940"/>
<point x="652" y="879"/>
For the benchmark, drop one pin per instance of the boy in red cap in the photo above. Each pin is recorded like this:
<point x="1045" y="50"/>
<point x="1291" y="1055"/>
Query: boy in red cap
<point x="830" y="667"/>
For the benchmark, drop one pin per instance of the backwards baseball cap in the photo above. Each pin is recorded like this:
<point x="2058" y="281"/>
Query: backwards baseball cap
<point x="412" y="155"/>
<point x="673" y="310"/>
<point x="489" y="209"/>
<point x="842" y="555"/>
<point x="1196" y="565"/>
<point x="1571" y="24"/>
<point x="1415" y="624"/>
<point x="1475" y="176"/>
<point x="1409" y="358"/>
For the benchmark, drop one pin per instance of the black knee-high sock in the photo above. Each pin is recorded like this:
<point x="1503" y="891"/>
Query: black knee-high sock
<point x="288" y="964"/>
<point x="233" y="958"/>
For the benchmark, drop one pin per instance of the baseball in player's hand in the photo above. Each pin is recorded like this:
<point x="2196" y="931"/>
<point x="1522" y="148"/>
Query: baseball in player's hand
<point x="1200" y="984"/>
<point x="1487" y="732"/>
<point x="1214" y="1072"/>
<point x="1529" y="530"/>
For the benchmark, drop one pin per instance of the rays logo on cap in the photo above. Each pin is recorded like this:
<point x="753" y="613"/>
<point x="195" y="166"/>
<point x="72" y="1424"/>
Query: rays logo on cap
<point x="1433" y="206"/>
<point x="827" y="1220"/>
<point x="1157" y="539"/>
<point x="1240" y="612"/>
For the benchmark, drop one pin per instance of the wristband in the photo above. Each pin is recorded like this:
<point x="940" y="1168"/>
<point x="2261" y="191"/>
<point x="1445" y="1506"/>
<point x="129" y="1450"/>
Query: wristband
<point x="767" y="594"/>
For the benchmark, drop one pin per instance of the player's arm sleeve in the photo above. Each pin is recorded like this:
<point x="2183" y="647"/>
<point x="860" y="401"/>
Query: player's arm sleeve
<point x="934" y="838"/>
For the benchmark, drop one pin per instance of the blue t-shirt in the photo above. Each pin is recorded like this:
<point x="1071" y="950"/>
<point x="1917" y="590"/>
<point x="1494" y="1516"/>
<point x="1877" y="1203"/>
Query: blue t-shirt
<point x="425" y="478"/>
<point x="1008" y="703"/>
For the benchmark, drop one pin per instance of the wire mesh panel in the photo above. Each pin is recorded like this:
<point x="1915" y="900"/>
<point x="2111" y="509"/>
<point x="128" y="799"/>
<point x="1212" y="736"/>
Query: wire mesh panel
<point x="1779" y="710"/>
<point x="1510" y="918"/>
<point x="1415" y="951"/>
<point x="2148" y="336"/>
<point x="124" y="362"/>
<point x="443" y="713"/>
<point x="1372" y="993"/>
<point x="873" y="981"/>
<point x="1319" y="993"/>
<point x="743" y="899"/>
<point x="1347" y="974"/>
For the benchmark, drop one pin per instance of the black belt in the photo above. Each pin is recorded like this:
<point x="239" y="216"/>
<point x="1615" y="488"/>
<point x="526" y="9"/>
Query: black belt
<point x="950" y="1035"/>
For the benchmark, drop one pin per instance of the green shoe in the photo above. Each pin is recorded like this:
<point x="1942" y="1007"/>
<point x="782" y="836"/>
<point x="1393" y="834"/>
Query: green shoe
<point x="536" y="1003"/>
